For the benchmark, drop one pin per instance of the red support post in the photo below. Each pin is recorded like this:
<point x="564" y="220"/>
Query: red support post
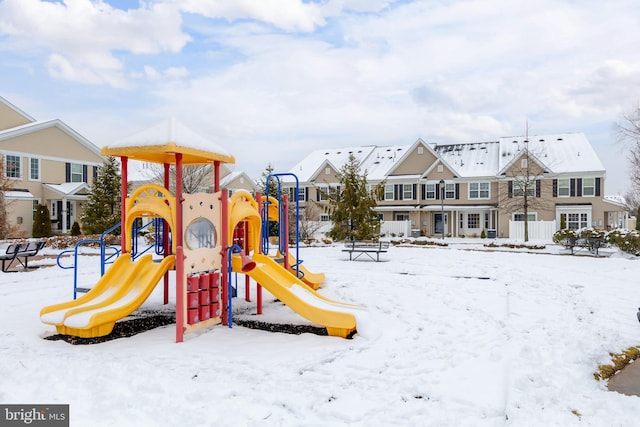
<point x="259" y="251"/>
<point x="165" y="237"/>
<point x="177" y="235"/>
<point x="225" y="239"/>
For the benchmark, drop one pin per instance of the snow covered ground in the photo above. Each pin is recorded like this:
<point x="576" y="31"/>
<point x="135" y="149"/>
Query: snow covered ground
<point x="454" y="337"/>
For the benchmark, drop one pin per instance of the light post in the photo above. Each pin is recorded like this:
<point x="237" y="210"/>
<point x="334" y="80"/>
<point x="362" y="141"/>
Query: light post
<point x="442" y="193"/>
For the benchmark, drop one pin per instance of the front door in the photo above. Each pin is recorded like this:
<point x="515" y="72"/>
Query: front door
<point x="440" y="223"/>
<point x="67" y="217"/>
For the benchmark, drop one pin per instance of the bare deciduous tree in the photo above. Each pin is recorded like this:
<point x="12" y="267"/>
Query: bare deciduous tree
<point x="195" y="178"/>
<point x="525" y="183"/>
<point x="629" y="134"/>
<point x="5" y="185"/>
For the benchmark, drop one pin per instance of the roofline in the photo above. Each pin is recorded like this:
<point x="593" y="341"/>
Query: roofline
<point x="41" y="125"/>
<point x="16" y="109"/>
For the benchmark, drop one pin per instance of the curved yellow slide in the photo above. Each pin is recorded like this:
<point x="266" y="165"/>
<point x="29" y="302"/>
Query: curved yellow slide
<point x="122" y="289"/>
<point x="338" y="318"/>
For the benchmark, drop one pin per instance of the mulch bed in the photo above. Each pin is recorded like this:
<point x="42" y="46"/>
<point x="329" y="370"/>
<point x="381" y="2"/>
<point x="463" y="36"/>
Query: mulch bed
<point x="123" y="329"/>
<point x="147" y="321"/>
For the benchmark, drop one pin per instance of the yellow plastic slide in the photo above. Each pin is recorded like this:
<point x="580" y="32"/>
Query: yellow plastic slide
<point x="338" y="318"/>
<point x="122" y="289"/>
<point x="314" y="280"/>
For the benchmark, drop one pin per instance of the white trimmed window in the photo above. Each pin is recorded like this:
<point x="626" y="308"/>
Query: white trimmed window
<point x="388" y="192"/>
<point x="402" y="217"/>
<point x="34" y="169"/>
<point x="302" y="192"/>
<point x="325" y="217"/>
<point x="520" y="216"/>
<point x="76" y="172"/>
<point x="34" y="207"/>
<point x="430" y="191"/>
<point x="12" y="166"/>
<point x="520" y="186"/>
<point x="588" y="187"/>
<point x="407" y="191"/>
<point x="449" y="191"/>
<point x="564" y="187"/>
<point x="473" y="220"/>
<point x="323" y="191"/>
<point x="577" y="220"/>
<point x="479" y="190"/>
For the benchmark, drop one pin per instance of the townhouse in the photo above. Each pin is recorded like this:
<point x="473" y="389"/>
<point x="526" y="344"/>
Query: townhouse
<point x="462" y="189"/>
<point x="45" y="162"/>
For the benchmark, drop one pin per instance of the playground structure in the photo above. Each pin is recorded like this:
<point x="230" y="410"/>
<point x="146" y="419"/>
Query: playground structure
<point x="205" y="238"/>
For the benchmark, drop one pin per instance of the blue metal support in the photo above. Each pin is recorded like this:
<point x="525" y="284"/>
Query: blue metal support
<point x="232" y="249"/>
<point x="281" y="214"/>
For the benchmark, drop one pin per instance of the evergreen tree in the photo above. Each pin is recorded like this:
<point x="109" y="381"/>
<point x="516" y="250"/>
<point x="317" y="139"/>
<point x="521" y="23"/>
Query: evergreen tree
<point x="103" y="206"/>
<point x="75" y="229"/>
<point x="42" y="223"/>
<point x="273" y="192"/>
<point x="352" y="205"/>
<point x="638" y="219"/>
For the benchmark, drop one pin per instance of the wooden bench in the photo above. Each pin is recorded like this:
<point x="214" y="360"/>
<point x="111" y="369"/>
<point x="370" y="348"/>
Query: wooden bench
<point x="20" y="252"/>
<point x="365" y="248"/>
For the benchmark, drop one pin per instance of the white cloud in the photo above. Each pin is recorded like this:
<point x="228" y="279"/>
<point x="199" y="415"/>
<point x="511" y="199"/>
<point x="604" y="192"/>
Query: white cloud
<point x="85" y="37"/>
<point x="345" y="72"/>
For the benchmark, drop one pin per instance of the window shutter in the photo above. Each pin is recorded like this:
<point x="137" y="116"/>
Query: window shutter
<point x="415" y="191"/>
<point x="437" y="191"/>
<point x="573" y="187"/>
<point x="597" y="187"/>
<point x="457" y="191"/>
<point x="67" y="172"/>
<point x="510" y="189"/>
<point x="396" y="193"/>
<point x="306" y="193"/>
<point x="579" y="187"/>
<point x="424" y="192"/>
<point x="84" y="174"/>
<point x="317" y="194"/>
<point x="555" y="188"/>
<point x="94" y="172"/>
<point x="537" y="188"/>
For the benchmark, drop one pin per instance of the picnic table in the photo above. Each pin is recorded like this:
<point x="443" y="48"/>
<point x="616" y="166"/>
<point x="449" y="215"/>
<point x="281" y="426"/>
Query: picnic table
<point x="20" y="252"/>
<point x="365" y="248"/>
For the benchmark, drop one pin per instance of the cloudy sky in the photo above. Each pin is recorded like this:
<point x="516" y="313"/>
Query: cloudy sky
<point x="271" y="80"/>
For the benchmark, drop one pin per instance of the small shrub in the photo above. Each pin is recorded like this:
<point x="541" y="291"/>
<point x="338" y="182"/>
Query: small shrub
<point x="561" y="237"/>
<point x="75" y="229"/>
<point x="483" y="234"/>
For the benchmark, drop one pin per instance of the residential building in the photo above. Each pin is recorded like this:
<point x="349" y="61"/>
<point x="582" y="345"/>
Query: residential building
<point x="46" y="162"/>
<point x="462" y="189"/>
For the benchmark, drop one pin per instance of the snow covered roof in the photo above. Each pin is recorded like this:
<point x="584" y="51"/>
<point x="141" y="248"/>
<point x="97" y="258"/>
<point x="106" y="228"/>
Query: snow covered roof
<point x="68" y="188"/>
<point x="311" y="165"/>
<point x="560" y="153"/>
<point x="382" y="160"/>
<point x="232" y="176"/>
<point x="160" y="142"/>
<point x="18" y="195"/>
<point x="477" y="159"/>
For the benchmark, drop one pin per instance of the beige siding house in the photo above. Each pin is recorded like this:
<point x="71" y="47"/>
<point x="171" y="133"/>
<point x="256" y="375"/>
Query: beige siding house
<point x="46" y="162"/>
<point x="464" y="189"/>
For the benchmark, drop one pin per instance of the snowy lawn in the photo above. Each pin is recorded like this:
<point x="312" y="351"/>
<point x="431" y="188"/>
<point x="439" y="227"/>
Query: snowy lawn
<point x="454" y="337"/>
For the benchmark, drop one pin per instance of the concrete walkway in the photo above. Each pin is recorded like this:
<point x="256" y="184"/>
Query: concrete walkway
<point x="627" y="381"/>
